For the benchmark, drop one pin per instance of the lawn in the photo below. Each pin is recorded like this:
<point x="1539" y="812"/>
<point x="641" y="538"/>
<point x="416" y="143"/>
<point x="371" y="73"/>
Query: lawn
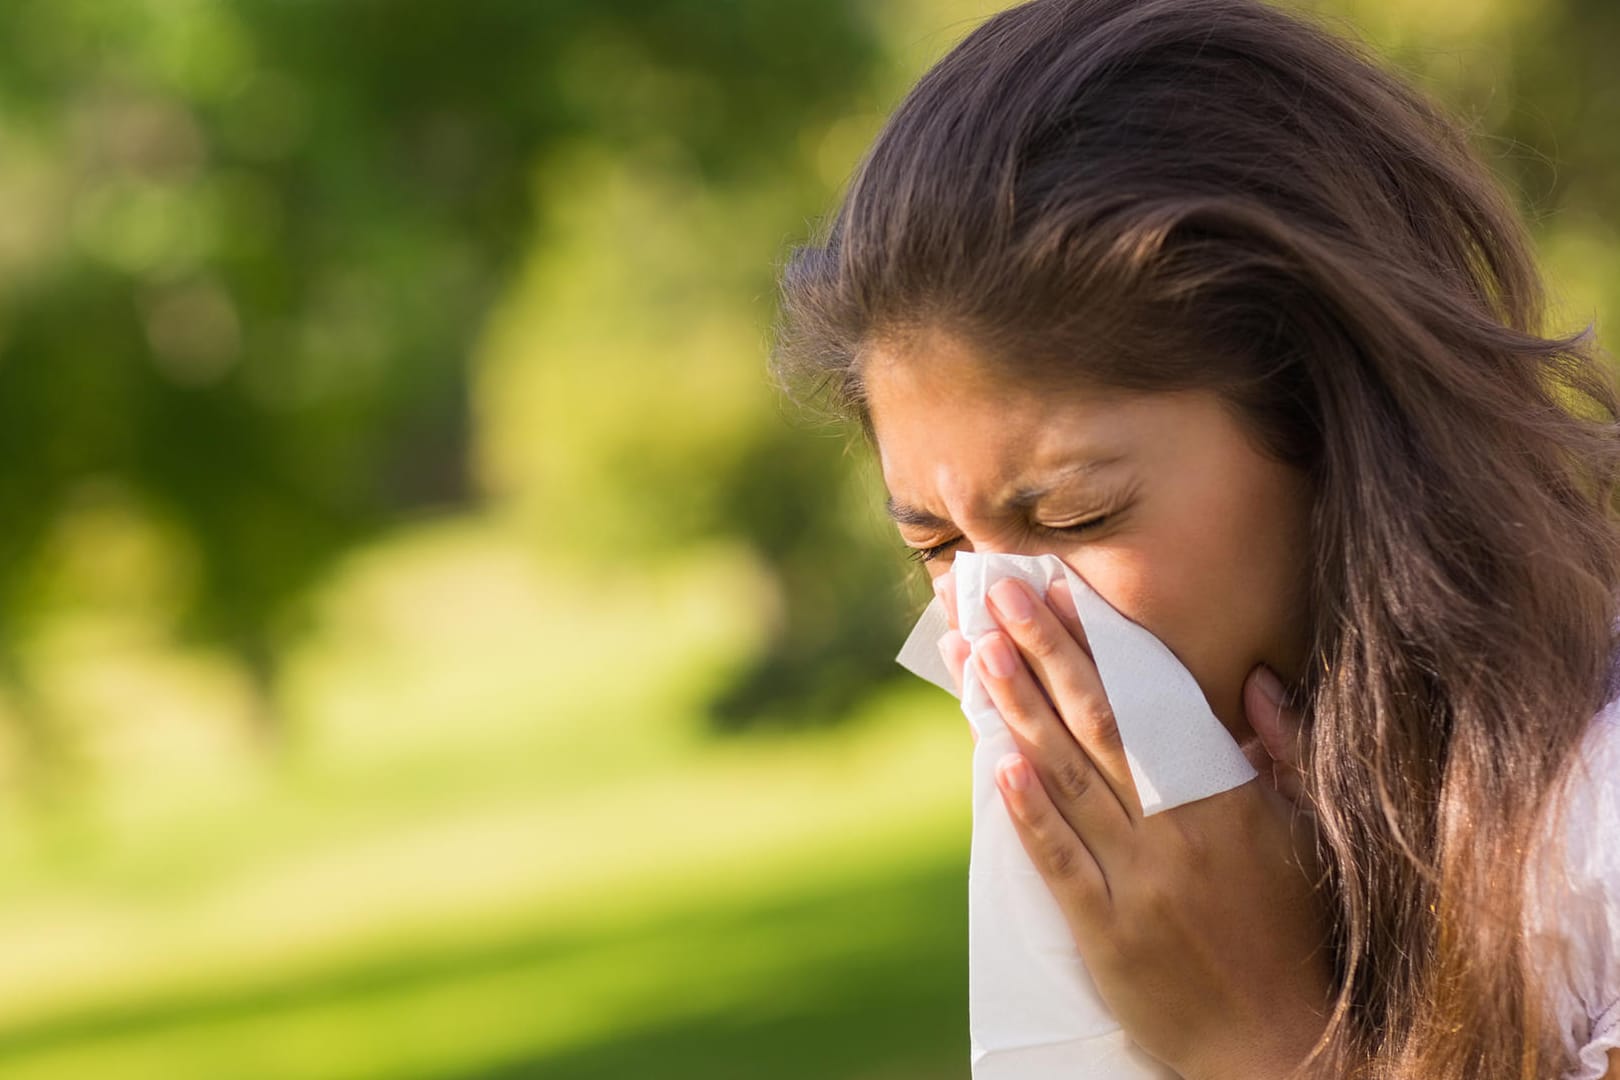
<point x="500" y="892"/>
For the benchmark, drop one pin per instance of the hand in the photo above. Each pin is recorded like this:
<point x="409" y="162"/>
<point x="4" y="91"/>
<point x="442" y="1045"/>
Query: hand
<point x="1200" y="926"/>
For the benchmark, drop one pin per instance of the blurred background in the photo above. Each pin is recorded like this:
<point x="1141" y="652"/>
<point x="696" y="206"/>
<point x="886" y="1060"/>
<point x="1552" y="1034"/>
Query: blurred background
<point x="428" y="646"/>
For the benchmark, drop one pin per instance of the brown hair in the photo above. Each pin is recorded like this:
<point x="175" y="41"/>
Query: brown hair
<point x="1162" y="194"/>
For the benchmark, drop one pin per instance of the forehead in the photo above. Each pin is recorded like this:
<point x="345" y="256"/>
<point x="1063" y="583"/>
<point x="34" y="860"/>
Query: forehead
<point x="942" y="415"/>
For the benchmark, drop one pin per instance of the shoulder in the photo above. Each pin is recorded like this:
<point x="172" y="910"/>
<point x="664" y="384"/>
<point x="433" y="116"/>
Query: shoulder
<point x="1593" y="800"/>
<point x="1576" y="902"/>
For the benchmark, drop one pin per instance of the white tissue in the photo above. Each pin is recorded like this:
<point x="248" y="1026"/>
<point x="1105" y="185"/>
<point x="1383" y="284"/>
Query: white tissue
<point x="1034" y="1013"/>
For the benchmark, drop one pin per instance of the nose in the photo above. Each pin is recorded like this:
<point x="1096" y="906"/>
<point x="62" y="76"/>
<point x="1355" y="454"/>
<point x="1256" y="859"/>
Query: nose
<point x="945" y="581"/>
<point x="1033" y="545"/>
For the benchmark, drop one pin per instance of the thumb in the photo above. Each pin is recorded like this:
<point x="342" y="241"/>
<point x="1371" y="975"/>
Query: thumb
<point x="1278" y="728"/>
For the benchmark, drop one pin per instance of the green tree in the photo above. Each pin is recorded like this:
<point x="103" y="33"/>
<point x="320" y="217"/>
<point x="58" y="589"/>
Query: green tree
<point x="248" y="245"/>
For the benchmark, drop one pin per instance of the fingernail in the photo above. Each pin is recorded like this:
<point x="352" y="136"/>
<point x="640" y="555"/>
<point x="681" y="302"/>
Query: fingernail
<point x="939" y="588"/>
<point x="1014" y="773"/>
<point x="1270" y="685"/>
<point x="997" y="657"/>
<point x="1009" y="598"/>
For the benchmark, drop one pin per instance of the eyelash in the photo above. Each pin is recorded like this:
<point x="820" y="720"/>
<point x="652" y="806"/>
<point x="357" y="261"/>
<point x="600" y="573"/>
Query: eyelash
<point x="929" y="554"/>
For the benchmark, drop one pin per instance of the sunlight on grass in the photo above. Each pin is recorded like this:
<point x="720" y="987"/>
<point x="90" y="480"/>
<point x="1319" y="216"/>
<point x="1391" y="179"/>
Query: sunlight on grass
<point x="496" y="847"/>
<point x="556" y="926"/>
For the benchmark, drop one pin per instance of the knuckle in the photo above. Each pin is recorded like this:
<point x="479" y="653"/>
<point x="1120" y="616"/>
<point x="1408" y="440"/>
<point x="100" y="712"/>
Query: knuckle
<point x="1126" y="942"/>
<point x="1097" y="728"/>
<point x="1062" y="862"/>
<point x="1137" y="925"/>
<point x="1073" y="779"/>
<point x="1041" y="644"/>
<point x="1196" y="854"/>
<point x="1135" y="932"/>
<point x="1155" y="899"/>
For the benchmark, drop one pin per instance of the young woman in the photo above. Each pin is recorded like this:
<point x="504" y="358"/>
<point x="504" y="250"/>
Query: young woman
<point x="1194" y="295"/>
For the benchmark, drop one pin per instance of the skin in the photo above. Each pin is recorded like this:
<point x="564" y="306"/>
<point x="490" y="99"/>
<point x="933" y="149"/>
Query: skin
<point x="1206" y="538"/>
<point x="1199" y="925"/>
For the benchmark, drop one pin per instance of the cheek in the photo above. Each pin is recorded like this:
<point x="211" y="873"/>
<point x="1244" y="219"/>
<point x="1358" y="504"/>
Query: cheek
<point x="1214" y="583"/>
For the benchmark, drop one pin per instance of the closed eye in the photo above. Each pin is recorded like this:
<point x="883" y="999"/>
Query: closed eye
<point x="928" y="554"/>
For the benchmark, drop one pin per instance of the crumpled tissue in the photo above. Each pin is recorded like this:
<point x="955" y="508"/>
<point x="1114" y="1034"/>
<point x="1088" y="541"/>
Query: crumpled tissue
<point x="1034" y="1013"/>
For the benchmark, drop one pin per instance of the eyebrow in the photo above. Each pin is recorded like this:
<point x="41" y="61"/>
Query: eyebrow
<point x="1021" y="499"/>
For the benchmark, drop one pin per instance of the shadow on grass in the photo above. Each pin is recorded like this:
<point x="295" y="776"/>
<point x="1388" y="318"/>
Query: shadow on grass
<point x="877" y="1035"/>
<point x="865" y="980"/>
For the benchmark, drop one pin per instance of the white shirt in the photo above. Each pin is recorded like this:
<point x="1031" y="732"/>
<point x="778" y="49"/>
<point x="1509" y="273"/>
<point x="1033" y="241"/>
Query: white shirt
<point x="1586" y="898"/>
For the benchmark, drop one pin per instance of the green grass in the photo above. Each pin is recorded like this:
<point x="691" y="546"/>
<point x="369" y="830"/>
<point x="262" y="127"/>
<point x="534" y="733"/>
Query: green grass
<point x="511" y="871"/>
<point x="862" y="980"/>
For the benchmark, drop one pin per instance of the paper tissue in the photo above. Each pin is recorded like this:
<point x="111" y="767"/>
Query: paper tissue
<point x="1034" y="1013"/>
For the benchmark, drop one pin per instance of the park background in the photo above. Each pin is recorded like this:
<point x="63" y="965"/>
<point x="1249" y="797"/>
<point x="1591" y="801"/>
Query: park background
<point x="429" y="646"/>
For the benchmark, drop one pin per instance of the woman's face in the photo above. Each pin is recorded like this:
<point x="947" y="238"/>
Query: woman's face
<point x="1184" y="526"/>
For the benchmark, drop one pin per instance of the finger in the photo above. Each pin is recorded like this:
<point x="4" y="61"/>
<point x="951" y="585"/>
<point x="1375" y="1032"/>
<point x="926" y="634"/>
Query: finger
<point x="1278" y="728"/>
<point x="1254" y="751"/>
<point x="1060" y="598"/>
<point x="1069" y="677"/>
<point x="945" y="589"/>
<point x="1080" y="792"/>
<point x="1273" y="774"/>
<point x="1068" y="867"/>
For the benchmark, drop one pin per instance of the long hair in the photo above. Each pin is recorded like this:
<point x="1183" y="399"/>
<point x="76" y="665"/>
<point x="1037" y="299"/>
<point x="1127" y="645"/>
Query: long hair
<point x="1167" y="194"/>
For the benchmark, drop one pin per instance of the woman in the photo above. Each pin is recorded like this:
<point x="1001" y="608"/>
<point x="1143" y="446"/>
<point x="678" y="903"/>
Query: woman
<point x="1196" y="297"/>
